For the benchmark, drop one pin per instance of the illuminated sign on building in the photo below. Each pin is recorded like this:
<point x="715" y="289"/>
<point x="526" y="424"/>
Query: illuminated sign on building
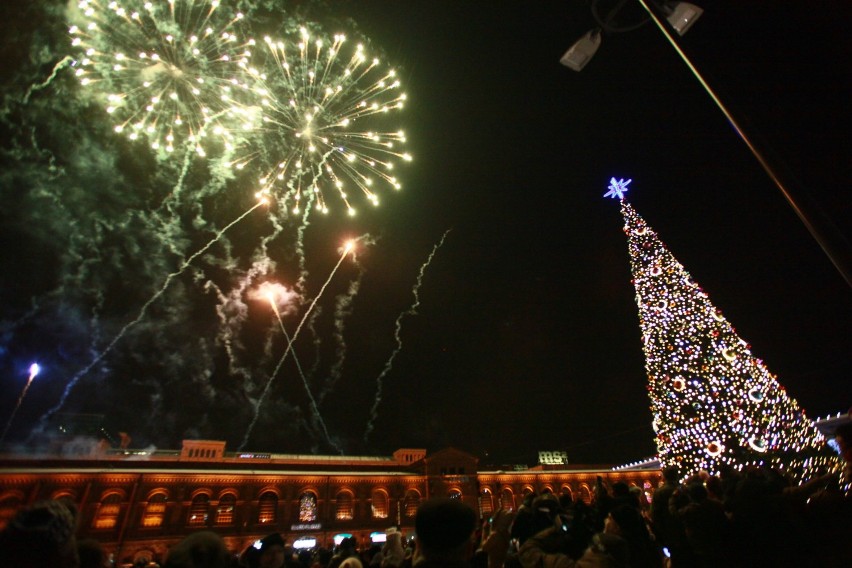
<point x="553" y="458"/>
<point x="306" y="527"/>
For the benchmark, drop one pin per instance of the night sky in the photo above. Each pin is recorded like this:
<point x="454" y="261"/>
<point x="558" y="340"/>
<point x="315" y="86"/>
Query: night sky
<point x="526" y="335"/>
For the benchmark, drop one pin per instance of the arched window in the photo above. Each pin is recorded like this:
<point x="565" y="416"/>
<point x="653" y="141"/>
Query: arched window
<point x="199" y="510"/>
<point x="307" y="507"/>
<point x="225" y="509"/>
<point x="344" y="506"/>
<point x="107" y="514"/>
<point x="486" y="503"/>
<point x="585" y="494"/>
<point x="455" y="494"/>
<point x="566" y="490"/>
<point x="155" y="511"/>
<point x="379" y="503"/>
<point x="267" y="507"/>
<point x="507" y="499"/>
<point x="9" y="505"/>
<point x="411" y="502"/>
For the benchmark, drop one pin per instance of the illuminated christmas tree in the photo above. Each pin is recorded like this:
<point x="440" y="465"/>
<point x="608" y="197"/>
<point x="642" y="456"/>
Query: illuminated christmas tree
<point x="713" y="402"/>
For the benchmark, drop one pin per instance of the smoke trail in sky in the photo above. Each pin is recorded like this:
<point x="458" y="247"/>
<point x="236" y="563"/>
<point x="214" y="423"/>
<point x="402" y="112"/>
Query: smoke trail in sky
<point x="143" y="310"/>
<point x="317" y="417"/>
<point x="169" y="72"/>
<point x="412" y="311"/>
<point x="62" y="64"/>
<point x="103" y="186"/>
<point x="346" y="249"/>
<point x="342" y="311"/>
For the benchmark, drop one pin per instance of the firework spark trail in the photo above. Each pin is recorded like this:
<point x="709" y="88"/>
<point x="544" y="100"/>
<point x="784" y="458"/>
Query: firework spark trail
<point x="166" y="73"/>
<point x="342" y="310"/>
<point x="61" y="64"/>
<point x="97" y="359"/>
<point x="34" y="370"/>
<point x="314" y="406"/>
<point x="322" y="116"/>
<point x="346" y="249"/>
<point x="412" y="311"/>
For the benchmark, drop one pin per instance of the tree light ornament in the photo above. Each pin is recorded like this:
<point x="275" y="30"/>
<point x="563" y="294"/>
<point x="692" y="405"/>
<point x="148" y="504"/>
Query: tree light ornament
<point x="723" y="407"/>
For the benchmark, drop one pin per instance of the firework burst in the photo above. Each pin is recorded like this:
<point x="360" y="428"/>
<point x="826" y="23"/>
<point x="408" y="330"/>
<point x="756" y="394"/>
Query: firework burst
<point x="323" y="109"/>
<point x="169" y="70"/>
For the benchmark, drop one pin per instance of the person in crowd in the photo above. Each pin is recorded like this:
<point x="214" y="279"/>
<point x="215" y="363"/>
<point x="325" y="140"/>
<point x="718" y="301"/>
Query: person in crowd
<point x="322" y="558"/>
<point x="204" y="549"/>
<point x="347" y="547"/>
<point x="41" y="535"/>
<point x="272" y="551"/>
<point x="91" y="553"/>
<point x="351" y="562"/>
<point x="392" y="554"/>
<point x="829" y="508"/>
<point x="444" y="529"/>
<point x="497" y="541"/>
<point x="522" y="525"/>
<point x="707" y="528"/>
<point x="551" y="548"/>
<point x="626" y="521"/>
<point x="667" y="527"/>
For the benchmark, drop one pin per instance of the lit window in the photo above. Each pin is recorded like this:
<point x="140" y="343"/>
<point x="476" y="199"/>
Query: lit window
<point x="379" y="502"/>
<point x="585" y="494"/>
<point x="155" y="511"/>
<point x="412" y="501"/>
<point x="344" y="506"/>
<point x="225" y="509"/>
<point x="107" y="514"/>
<point x="507" y="499"/>
<point x="267" y="506"/>
<point x="199" y="510"/>
<point x="455" y="494"/>
<point x="307" y="507"/>
<point x="486" y="505"/>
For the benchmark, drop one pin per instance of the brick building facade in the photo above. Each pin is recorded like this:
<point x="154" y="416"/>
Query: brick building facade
<point x="138" y="503"/>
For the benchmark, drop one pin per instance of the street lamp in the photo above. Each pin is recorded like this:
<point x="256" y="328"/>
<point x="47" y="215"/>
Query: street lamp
<point x="680" y="17"/>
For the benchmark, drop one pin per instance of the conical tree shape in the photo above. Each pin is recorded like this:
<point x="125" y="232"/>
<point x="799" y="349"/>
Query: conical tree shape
<point x="714" y="404"/>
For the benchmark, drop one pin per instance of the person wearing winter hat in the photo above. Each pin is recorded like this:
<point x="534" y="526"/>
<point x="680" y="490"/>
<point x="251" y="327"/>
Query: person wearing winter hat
<point x="271" y="551"/>
<point x="393" y="554"/>
<point x="443" y="528"/>
<point x="351" y="562"/>
<point x="41" y="535"/>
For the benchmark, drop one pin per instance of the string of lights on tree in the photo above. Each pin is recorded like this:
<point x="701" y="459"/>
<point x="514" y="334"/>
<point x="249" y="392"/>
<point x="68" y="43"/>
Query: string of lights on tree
<point x="714" y="404"/>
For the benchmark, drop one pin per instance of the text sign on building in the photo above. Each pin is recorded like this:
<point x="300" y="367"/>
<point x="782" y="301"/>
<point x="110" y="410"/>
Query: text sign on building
<point x="306" y="527"/>
<point x="553" y="458"/>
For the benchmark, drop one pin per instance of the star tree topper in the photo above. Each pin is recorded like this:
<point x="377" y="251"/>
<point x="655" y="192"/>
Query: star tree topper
<point x="617" y="188"/>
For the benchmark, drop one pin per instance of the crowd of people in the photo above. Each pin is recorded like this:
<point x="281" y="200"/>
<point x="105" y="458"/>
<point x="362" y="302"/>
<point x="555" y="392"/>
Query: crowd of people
<point x="740" y="518"/>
